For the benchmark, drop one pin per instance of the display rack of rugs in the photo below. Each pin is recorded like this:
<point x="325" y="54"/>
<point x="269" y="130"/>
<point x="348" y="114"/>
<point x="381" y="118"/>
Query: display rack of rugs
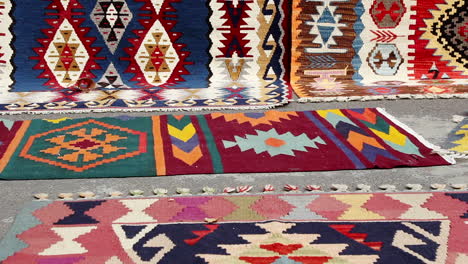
<point x="312" y="228"/>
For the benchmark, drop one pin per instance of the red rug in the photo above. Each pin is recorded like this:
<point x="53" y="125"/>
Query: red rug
<point x="215" y="143"/>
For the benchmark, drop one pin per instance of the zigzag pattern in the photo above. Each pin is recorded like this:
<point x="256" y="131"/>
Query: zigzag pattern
<point x="384" y="36"/>
<point x="321" y="61"/>
<point x="184" y="138"/>
<point x="356" y="136"/>
<point x="388" y="133"/>
<point x="359" y="237"/>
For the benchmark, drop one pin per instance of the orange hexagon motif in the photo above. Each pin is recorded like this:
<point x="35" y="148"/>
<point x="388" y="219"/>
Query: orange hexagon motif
<point x="84" y="145"/>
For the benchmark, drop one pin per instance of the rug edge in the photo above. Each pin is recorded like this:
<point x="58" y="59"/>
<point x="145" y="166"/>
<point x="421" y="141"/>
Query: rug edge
<point x="449" y="156"/>
<point x="143" y="109"/>
<point x="319" y="99"/>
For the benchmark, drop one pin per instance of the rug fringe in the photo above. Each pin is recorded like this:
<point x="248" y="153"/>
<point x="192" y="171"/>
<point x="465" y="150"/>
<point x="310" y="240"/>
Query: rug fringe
<point x="380" y="97"/>
<point x="246" y="189"/>
<point x="141" y="110"/>
<point x="457" y="118"/>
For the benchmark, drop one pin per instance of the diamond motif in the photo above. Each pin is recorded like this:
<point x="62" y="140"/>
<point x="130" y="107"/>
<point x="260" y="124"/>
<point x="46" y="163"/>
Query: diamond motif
<point x="66" y="56"/>
<point x="325" y="27"/>
<point x="156" y="56"/>
<point x="274" y="143"/>
<point x="85" y="145"/>
<point x="111" y="18"/>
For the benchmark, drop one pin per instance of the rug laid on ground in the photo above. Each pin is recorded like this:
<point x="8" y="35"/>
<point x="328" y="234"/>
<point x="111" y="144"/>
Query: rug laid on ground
<point x="271" y="141"/>
<point x="458" y="138"/>
<point x="370" y="228"/>
<point x="350" y="49"/>
<point x="143" y="54"/>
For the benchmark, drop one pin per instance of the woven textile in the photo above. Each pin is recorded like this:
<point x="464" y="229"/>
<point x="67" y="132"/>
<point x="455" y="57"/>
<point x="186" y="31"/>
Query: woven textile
<point x="374" y="228"/>
<point x="272" y="141"/>
<point x="458" y="138"/>
<point x="355" y="48"/>
<point x="143" y="54"/>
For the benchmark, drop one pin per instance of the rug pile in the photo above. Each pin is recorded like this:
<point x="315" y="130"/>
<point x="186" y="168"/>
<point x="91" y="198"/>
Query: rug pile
<point x="214" y="143"/>
<point x="321" y="228"/>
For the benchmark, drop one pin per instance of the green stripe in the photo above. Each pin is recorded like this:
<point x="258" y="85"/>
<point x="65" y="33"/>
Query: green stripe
<point x="215" y="157"/>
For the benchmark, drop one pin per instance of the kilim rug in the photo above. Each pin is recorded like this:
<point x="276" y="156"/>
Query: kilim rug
<point x="374" y="49"/>
<point x="370" y="228"/>
<point x="458" y="138"/>
<point x="271" y="141"/>
<point x="143" y="54"/>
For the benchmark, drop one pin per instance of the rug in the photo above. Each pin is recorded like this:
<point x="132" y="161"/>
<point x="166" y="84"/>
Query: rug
<point x="458" y="138"/>
<point x="215" y="143"/>
<point x="326" y="228"/>
<point x="143" y="55"/>
<point x="377" y="49"/>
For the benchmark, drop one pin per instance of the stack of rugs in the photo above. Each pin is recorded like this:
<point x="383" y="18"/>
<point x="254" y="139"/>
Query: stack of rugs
<point x="175" y="55"/>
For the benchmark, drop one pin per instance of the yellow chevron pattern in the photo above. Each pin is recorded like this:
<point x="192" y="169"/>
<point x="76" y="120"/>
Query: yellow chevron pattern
<point x="393" y="136"/>
<point x="185" y="134"/>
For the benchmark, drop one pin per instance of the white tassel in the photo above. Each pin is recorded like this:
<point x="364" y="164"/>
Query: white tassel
<point x="457" y="118"/>
<point x="414" y="187"/>
<point x="137" y="192"/>
<point x="86" y="195"/>
<point x="363" y="188"/>
<point x="208" y="190"/>
<point x="339" y="187"/>
<point x="437" y="186"/>
<point x="160" y="192"/>
<point x="387" y="187"/>
<point x="458" y="186"/>
<point x="41" y="196"/>
<point x="66" y="196"/>
<point x="183" y="191"/>
<point x="115" y="194"/>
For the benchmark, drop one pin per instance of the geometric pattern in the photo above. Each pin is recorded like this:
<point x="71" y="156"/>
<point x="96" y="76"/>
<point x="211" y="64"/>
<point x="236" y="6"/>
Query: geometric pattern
<point x="457" y="140"/>
<point x="401" y="231"/>
<point x="143" y="54"/>
<point x="334" y="139"/>
<point x="84" y="145"/>
<point x="273" y="143"/>
<point x="358" y="48"/>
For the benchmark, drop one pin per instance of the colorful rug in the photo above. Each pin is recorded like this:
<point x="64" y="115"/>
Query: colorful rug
<point x="215" y="143"/>
<point x="373" y="49"/>
<point x="143" y="54"/>
<point x="371" y="228"/>
<point x="458" y="138"/>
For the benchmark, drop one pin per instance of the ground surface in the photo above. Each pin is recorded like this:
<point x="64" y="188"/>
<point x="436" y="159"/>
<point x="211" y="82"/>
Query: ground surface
<point x="430" y="118"/>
